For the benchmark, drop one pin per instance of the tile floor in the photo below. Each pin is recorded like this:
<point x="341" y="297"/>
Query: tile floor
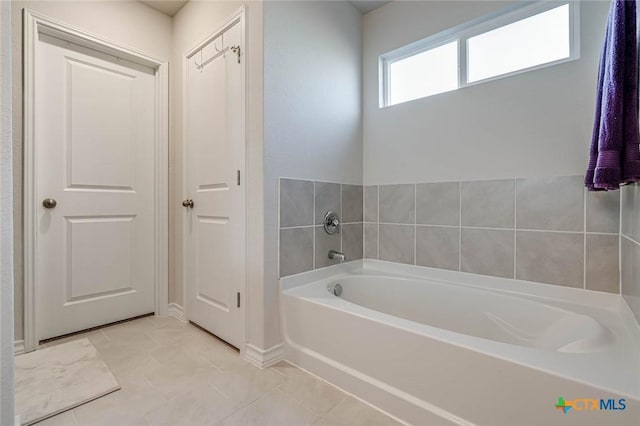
<point x="177" y="374"/>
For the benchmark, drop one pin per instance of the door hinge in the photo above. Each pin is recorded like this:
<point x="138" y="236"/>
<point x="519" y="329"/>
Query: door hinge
<point x="238" y="177"/>
<point x="238" y="299"/>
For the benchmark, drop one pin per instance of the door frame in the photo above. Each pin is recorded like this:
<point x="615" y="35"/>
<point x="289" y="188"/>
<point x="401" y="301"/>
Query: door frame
<point x="33" y="24"/>
<point x="239" y="16"/>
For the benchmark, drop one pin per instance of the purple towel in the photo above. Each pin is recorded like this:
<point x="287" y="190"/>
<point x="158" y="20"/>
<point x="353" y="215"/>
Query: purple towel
<point x="615" y="146"/>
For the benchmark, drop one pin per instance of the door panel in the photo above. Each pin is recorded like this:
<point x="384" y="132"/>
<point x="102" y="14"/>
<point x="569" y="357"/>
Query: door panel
<point x="94" y="154"/>
<point x="215" y="154"/>
<point x="99" y="269"/>
<point x="210" y="254"/>
<point x="99" y="98"/>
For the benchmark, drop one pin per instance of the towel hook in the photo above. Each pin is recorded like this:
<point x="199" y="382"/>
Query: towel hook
<point x="222" y="43"/>
<point x="198" y="65"/>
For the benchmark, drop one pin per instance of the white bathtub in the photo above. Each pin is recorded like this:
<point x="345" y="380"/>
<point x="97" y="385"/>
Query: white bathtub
<point x="434" y="347"/>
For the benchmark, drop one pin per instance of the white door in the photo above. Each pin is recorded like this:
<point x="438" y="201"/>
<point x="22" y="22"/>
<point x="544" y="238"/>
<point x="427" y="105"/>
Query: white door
<point x="215" y="144"/>
<point x="94" y="155"/>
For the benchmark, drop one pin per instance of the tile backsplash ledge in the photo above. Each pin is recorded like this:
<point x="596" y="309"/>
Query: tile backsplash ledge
<point x="548" y="230"/>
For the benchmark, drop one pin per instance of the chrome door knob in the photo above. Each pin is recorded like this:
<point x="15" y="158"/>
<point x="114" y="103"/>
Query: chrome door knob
<point x="188" y="203"/>
<point x="49" y="203"/>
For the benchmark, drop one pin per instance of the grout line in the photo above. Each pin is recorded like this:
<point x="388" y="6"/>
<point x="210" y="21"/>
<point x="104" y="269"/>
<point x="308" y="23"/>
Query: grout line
<point x="313" y="262"/>
<point x="279" y="231"/>
<point x="364" y="201"/>
<point x="584" y="238"/>
<point x="299" y="227"/>
<point x="146" y="379"/>
<point x="332" y="409"/>
<point x="316" y="226"/>
<point x="340" y="229"/>
<point x="552" y="231"/>
<point x="459" y="225"/>
<point x="378" y="223"/>
<point x="415" y="220"/>
<point x="515" y="226"/>
<point x="631" y="239"/>
<point x="316" y="180"/>
<point x="346" y="393"/>
<point x="241" y="407"/>
<point x="620" y="244"/>
<point x="498" y="229"/>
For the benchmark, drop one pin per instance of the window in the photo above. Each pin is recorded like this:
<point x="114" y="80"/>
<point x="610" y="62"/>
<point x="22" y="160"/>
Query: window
<point x="424" y="74"/>
<point x="510" y="42"/>
<point x="536" y="40"/>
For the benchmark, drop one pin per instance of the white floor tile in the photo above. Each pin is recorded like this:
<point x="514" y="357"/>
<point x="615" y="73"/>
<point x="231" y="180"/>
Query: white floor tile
<point x="176" y="374"/>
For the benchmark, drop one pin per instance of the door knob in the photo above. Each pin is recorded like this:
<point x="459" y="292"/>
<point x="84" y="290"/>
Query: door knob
<point x="49" y="203"/>
<point x="188" y="203"/>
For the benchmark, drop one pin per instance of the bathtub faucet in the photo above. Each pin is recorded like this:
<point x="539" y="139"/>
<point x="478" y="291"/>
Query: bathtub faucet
<point x="334" y="254"/>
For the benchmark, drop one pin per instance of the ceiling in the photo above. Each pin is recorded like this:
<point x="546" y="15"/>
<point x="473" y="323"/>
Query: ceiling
<point x="168" y="7"/>
<point x="171" y="7"/>
<point x="366" y="6"/>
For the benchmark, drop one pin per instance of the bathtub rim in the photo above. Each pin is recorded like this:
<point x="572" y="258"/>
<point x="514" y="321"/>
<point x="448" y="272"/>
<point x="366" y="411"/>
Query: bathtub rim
<point x="571" y="295"/>
<point x="386" y="397"/>
<point x="613" y="303"/>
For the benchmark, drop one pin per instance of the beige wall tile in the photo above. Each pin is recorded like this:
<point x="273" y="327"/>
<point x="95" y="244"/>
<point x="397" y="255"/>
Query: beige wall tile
<point x="397" y="203"/>
<point x="296" y="203"/>
<point x="438" y="247"/>
<point x="352" y="203"/>
<point x="397" y="243"/>
<point x="438" y="203"/>
<point x="488" y="203"/>
<point x="487" y="252"/>
<point x="602" y="269"/>
<point x="296" y="250"/>
<point x="550" y="257"/>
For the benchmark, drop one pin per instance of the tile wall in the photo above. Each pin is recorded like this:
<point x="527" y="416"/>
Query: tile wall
<point x="630" y="247"/>
<point x="547" y="230"/>
<point x="304" y="245"/>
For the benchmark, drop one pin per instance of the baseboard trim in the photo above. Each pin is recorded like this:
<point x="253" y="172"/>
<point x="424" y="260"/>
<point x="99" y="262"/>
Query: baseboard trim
<point x="18" y="347"/>
<point x="264" y="358"/>
<point x="176" y="311"/>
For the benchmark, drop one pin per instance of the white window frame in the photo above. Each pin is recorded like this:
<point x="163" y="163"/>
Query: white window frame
<point x="463" y="32"/>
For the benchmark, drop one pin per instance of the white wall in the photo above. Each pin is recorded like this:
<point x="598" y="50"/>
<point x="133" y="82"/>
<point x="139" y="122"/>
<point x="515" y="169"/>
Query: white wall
<point x="194" y="22"/>
<point x="133" y="24"/>
<point x="312" y="105"/>
<point x="6" y="229"/>
<point x="320" y="116"/>
<point x="533" y="124"/>
<point x="127" y="23"/>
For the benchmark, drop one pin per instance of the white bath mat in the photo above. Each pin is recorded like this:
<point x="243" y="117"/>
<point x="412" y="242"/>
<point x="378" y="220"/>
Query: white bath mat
<point x="58" y="378"/>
